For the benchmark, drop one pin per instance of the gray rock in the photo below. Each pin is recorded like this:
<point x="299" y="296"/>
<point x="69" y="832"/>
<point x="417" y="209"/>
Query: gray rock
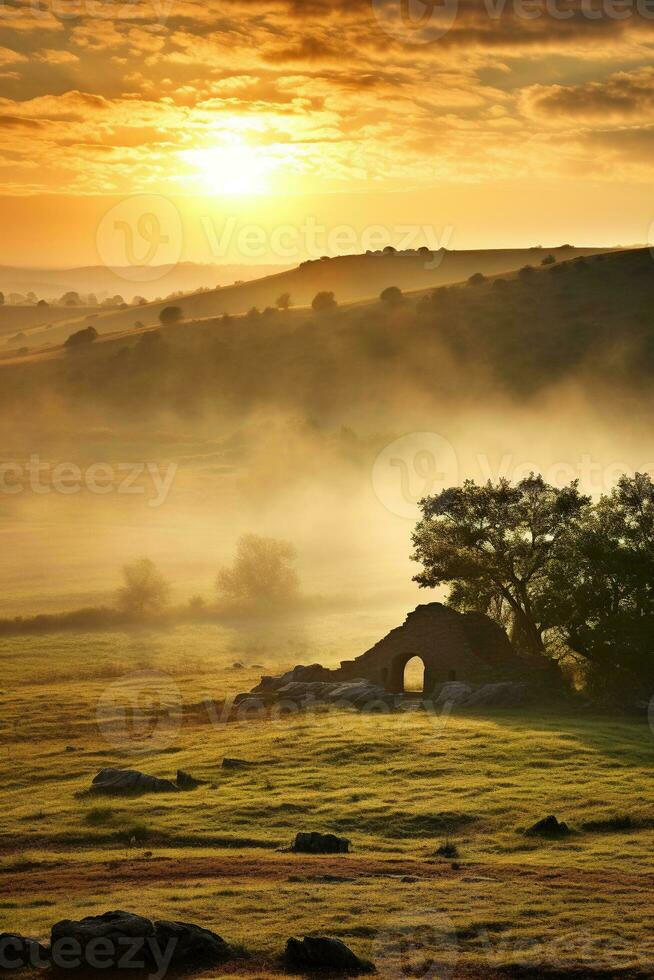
<point x="185" y="781"/>
<point x="549" y="827"/>
<point x="19" y="952"/>
<point x="125" y="781"/>
<point x="236" y="764"/>
<point x="315" y="843"/>
<point x="454" y="692"/>
<point x="192" y="946"/>
<point x="321" y="954"/>
<point x="505" y="695"/>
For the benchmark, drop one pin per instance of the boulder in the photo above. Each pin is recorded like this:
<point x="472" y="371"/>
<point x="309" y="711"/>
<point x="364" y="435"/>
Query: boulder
<point x="194" y="946"/>
<point x="236" y="764"/>
<point x="454" y="692"/>
<point x="18" y="952"/>
<point x="145" y="939"/>
<point x="185" y="781"/>
<point x="505" y="695"/>
<point x="314" y="843"/>
<point x="321" y="954"/>
<point x="124" y="781"/>
<point x="549" y="827"/>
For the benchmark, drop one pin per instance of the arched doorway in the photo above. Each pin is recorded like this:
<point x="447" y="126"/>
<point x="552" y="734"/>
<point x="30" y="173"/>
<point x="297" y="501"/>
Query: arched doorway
<point x="413" y="680"/>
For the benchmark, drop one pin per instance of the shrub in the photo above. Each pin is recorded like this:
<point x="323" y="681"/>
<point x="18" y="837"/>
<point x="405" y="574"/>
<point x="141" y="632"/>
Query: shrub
<point x="324" y="302"/>
<point x="81" y="338"/>
<point x="170" y="315"/>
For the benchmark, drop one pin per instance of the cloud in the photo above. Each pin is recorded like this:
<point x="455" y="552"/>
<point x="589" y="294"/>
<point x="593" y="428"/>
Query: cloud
<point x="622" y="97"/>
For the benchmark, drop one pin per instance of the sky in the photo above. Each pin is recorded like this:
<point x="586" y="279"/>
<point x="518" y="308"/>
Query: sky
<point x="473" y="124"/>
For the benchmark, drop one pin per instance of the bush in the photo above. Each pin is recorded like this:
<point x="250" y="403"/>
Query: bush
<point x="81" y="338"/>
<point x="324" y="302"/>
<point x="170" y="315"/>
<point x="392" y="296"/>
<point x="476" y="279"/>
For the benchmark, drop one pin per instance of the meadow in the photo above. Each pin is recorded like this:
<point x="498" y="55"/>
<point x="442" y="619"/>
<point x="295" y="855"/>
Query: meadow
<point x="398" y="785"/>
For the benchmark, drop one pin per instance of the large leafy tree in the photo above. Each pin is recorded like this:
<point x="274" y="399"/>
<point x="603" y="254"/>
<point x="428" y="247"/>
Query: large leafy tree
<point x="602" y="588"/>
<point x="496" y="545"/>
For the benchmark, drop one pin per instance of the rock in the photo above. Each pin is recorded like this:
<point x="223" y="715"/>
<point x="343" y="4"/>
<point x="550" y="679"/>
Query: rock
<point x="314" y="843"/>
<point x="549" y="827"/>
<point x="119" y="781"/>
<point x="192" y="946"/>
<point x="320" y="954"/>
<point x="236" y="764"/>
<point x="505" y="695"/>
<point x="454" y="692"/>
<point x="187" y="782"/>
<point x="18" y="952"/>
<point x="238" y="666"/>
<point x="110" y="925"/>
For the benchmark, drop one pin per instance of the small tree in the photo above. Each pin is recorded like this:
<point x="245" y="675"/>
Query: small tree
<point x="476" y="279"/>
<point x="263" y="573"/>
<point x="392" y="296"/>
<point x="324" y="302"/>
<point x="170" y="315"/>
<point x="145" y="592"/>
<point x="81" y="338"/>
<point x="283" y="301"/>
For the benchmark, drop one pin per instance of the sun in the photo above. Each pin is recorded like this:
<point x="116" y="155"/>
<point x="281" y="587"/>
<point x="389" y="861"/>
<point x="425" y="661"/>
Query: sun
<point x="234" y="169"/>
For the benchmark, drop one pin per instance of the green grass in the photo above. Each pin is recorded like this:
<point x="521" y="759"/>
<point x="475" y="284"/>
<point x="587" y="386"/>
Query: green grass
<point x="398" y="786"/>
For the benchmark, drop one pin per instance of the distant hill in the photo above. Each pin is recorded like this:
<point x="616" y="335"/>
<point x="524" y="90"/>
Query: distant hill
<point x="586" y="320"/>
<point x="350" y="277"/>
<point x="184" y="277"/>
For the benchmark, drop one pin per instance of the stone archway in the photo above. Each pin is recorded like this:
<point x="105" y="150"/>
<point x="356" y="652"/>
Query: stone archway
<point x="413" y="677"/>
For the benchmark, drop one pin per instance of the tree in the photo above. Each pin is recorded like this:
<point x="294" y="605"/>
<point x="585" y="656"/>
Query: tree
<point x="170" y="315"/>
<point x="476" y="279"/>
<point x="263" y="573"/>
<point x="496" y="545"/>
<point x="81" y="338"/>
<point x="601" y="589"/>
<point x="324" y="302"/>
<point x="145" y="592"/>
<point x="392" y="296"/>
<point x="70" y="298"/>
<point x="283" y="301"/>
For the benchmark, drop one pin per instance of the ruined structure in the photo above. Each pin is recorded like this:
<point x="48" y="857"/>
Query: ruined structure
<point x="453" y="646"/>
<point x="468" y="648"/>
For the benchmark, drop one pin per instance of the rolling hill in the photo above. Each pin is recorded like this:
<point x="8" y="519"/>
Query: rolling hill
<point x="351" y="278"/>
<point x="587" y="320"/>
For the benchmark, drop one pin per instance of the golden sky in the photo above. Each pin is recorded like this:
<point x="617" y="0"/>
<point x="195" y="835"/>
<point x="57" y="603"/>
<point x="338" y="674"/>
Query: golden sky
<point x="508" y="121"/>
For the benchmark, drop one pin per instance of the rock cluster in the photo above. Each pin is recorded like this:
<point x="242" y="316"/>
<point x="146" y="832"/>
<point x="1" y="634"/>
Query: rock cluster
<point x="124" y="941"/>
<point x="119" y="782"/>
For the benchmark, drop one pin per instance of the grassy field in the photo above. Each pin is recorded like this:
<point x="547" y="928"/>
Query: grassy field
<point x="397" y="786"/>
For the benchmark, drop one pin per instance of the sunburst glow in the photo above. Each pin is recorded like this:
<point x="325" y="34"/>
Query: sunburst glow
<point x="234" y="169"/>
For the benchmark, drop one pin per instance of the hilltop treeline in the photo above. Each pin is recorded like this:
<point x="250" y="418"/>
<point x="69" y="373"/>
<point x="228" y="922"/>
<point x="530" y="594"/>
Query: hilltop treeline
<point x="587" y="318"/>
